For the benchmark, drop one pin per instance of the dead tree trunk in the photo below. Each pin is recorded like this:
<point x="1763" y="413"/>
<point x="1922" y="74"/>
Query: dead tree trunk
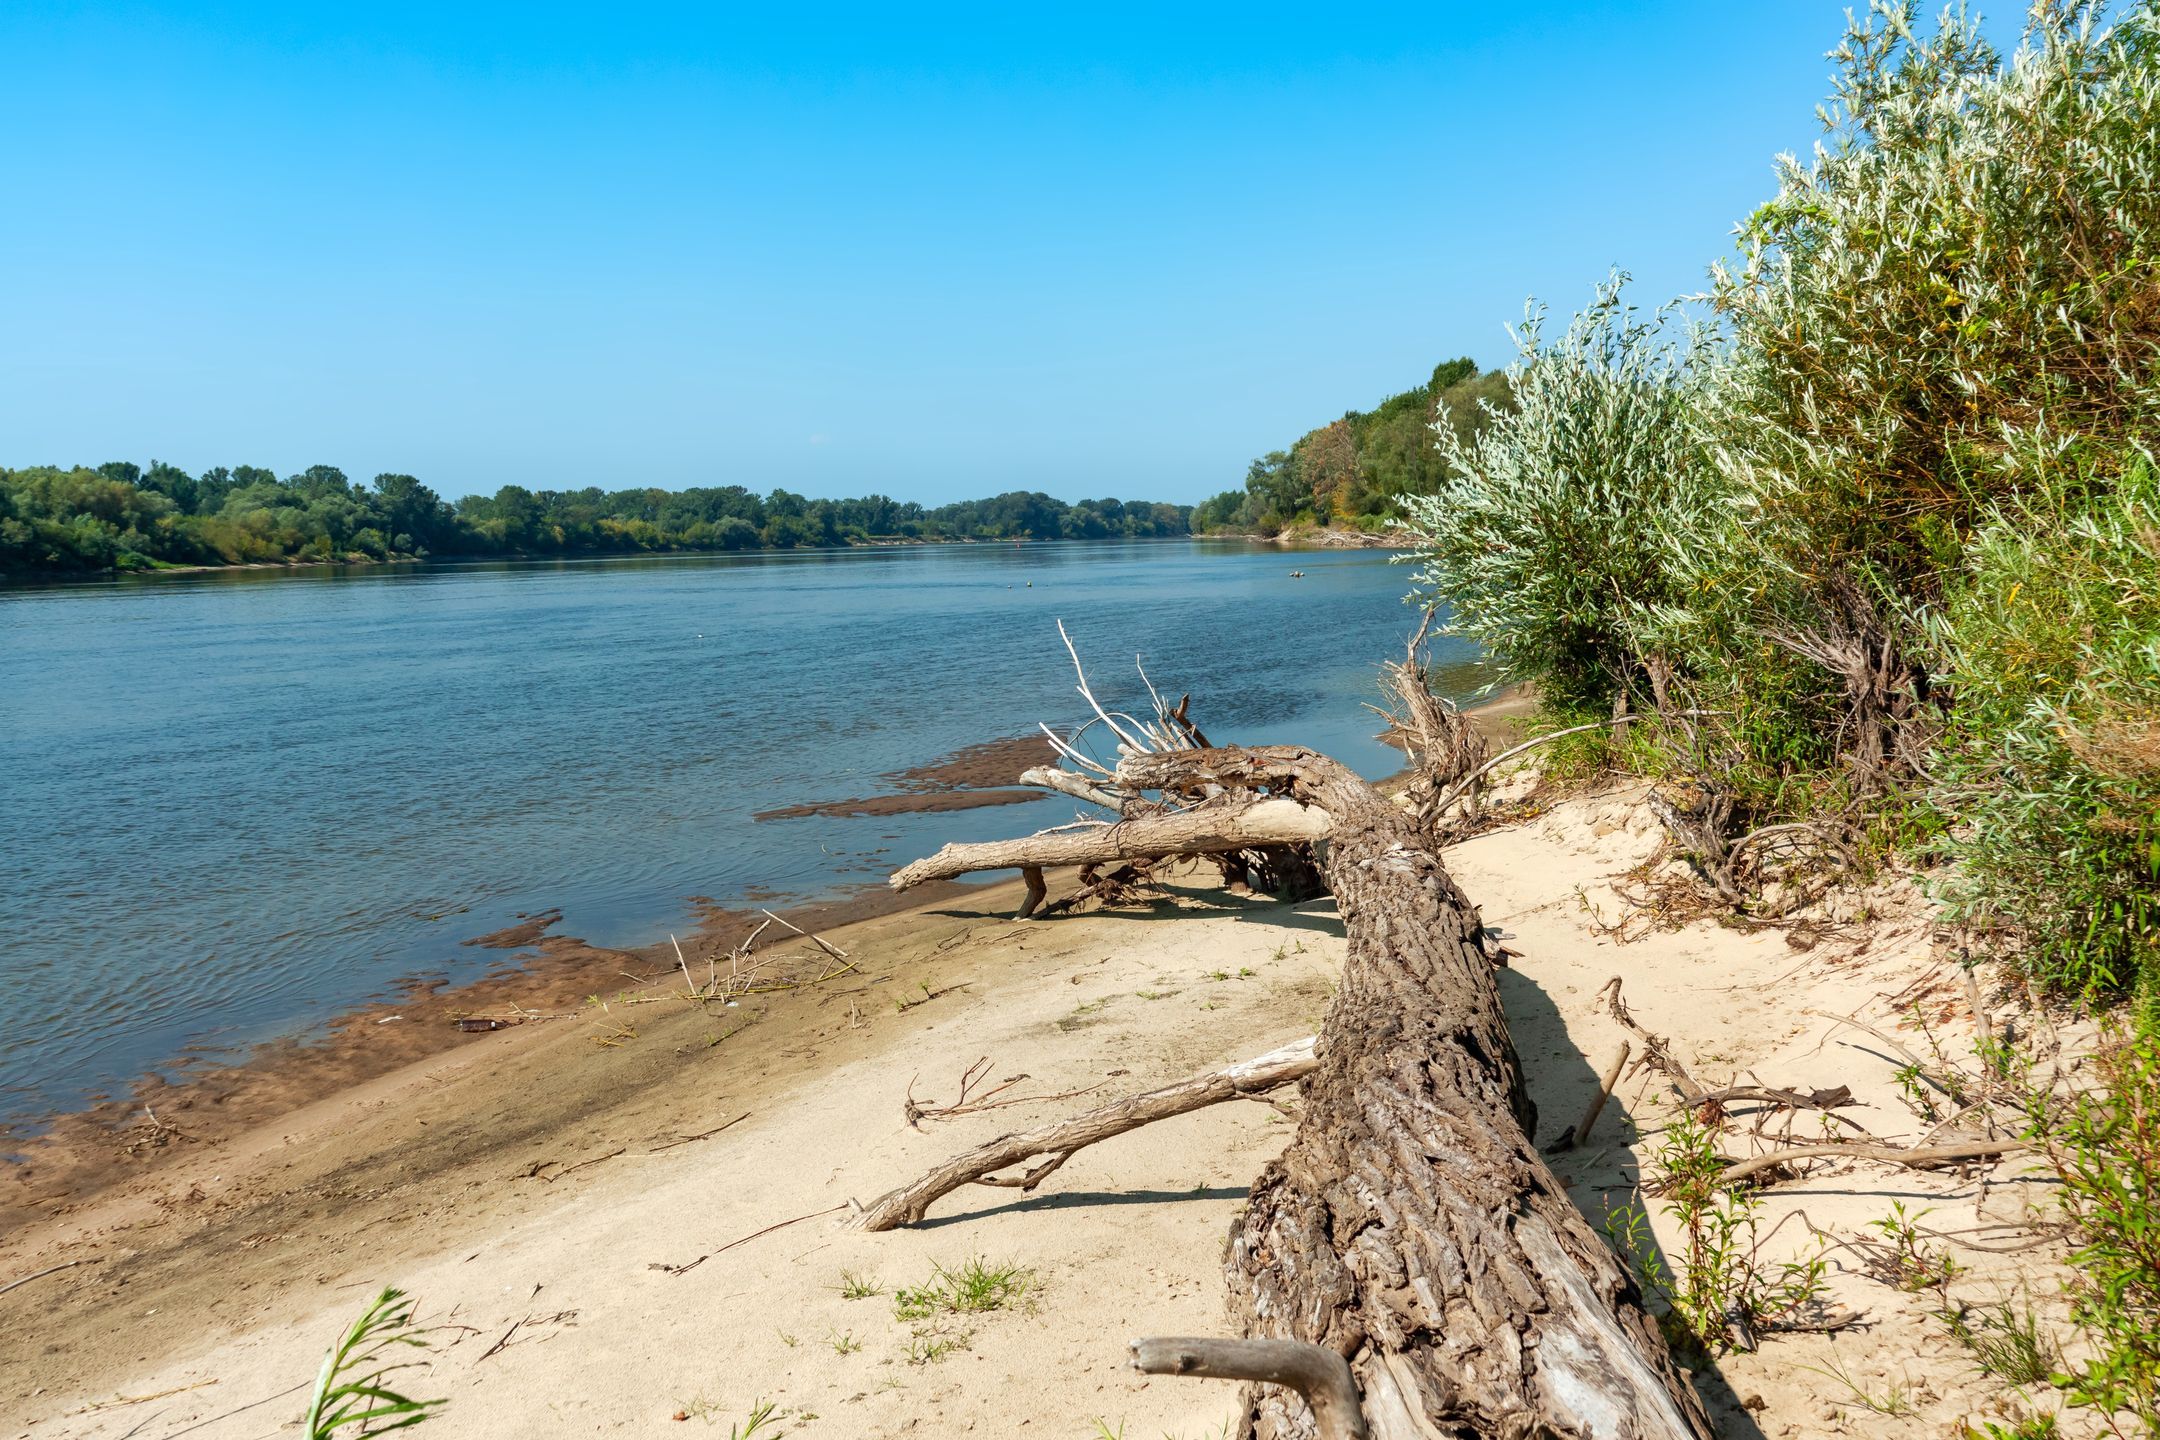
<point x="1411" y="1226"/>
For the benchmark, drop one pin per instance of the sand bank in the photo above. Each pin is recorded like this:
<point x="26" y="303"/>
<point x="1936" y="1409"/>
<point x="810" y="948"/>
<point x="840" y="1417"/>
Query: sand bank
<point x="526" y="1186"/>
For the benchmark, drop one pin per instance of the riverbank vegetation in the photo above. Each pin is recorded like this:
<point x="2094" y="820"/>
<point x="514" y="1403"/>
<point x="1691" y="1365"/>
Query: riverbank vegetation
<point x="1355" y="473"/>
<point x="1886" y="502"/>
<point x="122" y="517"/>
<point x="1858" y="555"/>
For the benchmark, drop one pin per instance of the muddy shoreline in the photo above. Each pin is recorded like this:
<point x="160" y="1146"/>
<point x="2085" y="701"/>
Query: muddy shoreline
<point x="542" y="976"/>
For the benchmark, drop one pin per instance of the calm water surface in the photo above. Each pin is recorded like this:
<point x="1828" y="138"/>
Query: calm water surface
<point x="234" y="805"/>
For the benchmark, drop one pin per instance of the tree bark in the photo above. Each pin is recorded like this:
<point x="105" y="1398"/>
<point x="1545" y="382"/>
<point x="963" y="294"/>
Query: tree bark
<point x="1060" y="1138"/>
<point x="1411" y="1226"/>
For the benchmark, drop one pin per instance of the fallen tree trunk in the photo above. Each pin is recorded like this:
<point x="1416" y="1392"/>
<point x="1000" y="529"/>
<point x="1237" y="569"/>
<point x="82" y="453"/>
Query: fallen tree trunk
<point x="1060" y="1139"/>
<point x="1214" y="827"/>
<point x="1411" y="1226"/>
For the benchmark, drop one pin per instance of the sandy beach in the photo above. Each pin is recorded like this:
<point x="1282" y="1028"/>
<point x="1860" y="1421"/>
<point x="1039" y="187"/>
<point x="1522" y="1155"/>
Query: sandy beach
<point x="529" y="1186"/>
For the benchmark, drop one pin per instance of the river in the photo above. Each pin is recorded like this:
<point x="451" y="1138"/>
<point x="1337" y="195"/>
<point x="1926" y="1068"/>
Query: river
<point x="234" y="804"/>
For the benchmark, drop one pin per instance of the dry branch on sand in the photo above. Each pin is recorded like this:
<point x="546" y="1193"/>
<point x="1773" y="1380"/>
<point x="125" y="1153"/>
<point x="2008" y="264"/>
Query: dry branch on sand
<point x="972" y="1101"/>
<point x="1411" y="1227"/>
<point x="1710" y="1105"/>
<point x="1062" y="1139"/>
<point x="1269" y="842"/>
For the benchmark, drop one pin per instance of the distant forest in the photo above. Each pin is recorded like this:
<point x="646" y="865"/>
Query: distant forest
<point x="1354" y="472"/>
<point x="122" y="517"/>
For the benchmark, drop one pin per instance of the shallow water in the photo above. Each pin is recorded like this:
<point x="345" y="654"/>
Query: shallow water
<point x="233" y="805"/>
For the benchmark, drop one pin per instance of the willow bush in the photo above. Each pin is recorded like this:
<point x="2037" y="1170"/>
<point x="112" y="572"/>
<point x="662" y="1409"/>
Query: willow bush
<point x="2050" y="773"/>
<point x="1909" y="445"/>
<point x="1958" y="283"/>
<point x="1546" y="538"/>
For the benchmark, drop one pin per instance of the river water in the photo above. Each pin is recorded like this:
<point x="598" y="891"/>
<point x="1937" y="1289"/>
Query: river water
<point x="235" y="804"/>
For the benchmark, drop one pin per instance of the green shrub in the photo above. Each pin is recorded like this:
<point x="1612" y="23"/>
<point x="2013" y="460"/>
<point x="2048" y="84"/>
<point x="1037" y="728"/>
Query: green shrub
<point x="1721" y="1292"/>
<point x="2050" y="776"/>
<point x="2104" y="1145"/>
<point x="1547" y="537"/>
<point x="1962" y="274"/>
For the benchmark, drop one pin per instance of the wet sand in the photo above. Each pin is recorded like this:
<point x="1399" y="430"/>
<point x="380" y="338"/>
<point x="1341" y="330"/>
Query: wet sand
<point x="976" y="776"/>
<point x="543" y="977"/>
<point x="80" y="1153"/>
<point x="77" y="1155"/>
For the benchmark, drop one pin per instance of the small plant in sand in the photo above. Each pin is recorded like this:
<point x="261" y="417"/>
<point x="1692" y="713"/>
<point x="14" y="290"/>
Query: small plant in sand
<point x="927" y="1346"/>
<point x="2006" y="1341"/>
<point x="858" y="1287"/>
<point x="1895" y="1401"/>
<point x="1723" y="1293"/>
<point x="1905" y="1260"/>
<point x="976" y="1287"/>
<point x="762" y="1420"/>
<point x="843" y="1343"/>
<point x="353" y="1392"/>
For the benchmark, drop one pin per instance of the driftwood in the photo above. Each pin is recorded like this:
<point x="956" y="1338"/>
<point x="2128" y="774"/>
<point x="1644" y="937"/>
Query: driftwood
<point x="1061" y="1139"/>
<point x="1445" y="750"/>
<point x="1411" y="1227"/>
<point x="1922" y="1157"/>
<point x="1209" y="828"/>
<point x="1321" y="1376"/>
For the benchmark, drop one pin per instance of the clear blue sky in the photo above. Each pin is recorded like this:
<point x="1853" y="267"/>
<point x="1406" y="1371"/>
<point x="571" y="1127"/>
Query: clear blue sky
<point x="1084" y="249"/>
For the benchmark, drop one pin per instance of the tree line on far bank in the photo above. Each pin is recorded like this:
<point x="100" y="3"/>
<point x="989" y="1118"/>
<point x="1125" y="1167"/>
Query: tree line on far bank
<point x="1355" y="473"/>
<point x="120" y="516"/>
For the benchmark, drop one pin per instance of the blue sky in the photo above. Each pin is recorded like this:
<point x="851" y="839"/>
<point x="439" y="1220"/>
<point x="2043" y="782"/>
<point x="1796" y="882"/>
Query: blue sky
<point x="1092" y="250"/>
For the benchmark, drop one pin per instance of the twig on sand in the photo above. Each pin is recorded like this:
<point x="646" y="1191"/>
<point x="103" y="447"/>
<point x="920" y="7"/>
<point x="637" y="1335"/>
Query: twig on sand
<point x="818" y="940"/>
<point x="973" y="1104"/>
<point x="1919" y="1066"/>
<point x="52" y="1270"/>
<point x="532" y="1171"/>
<point x="1575" y="1134"/>
<point x="1918" y="1158"/>
<point x="1060" y="1139"/>
<point x="687" y="1266"/>
<point x="120" y="1401"/>
<point x="1656" y="1056"/>
<point x="502" y="1341"/>
<point x="701" y="1135"/>
<point x="227" y="1415"/>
